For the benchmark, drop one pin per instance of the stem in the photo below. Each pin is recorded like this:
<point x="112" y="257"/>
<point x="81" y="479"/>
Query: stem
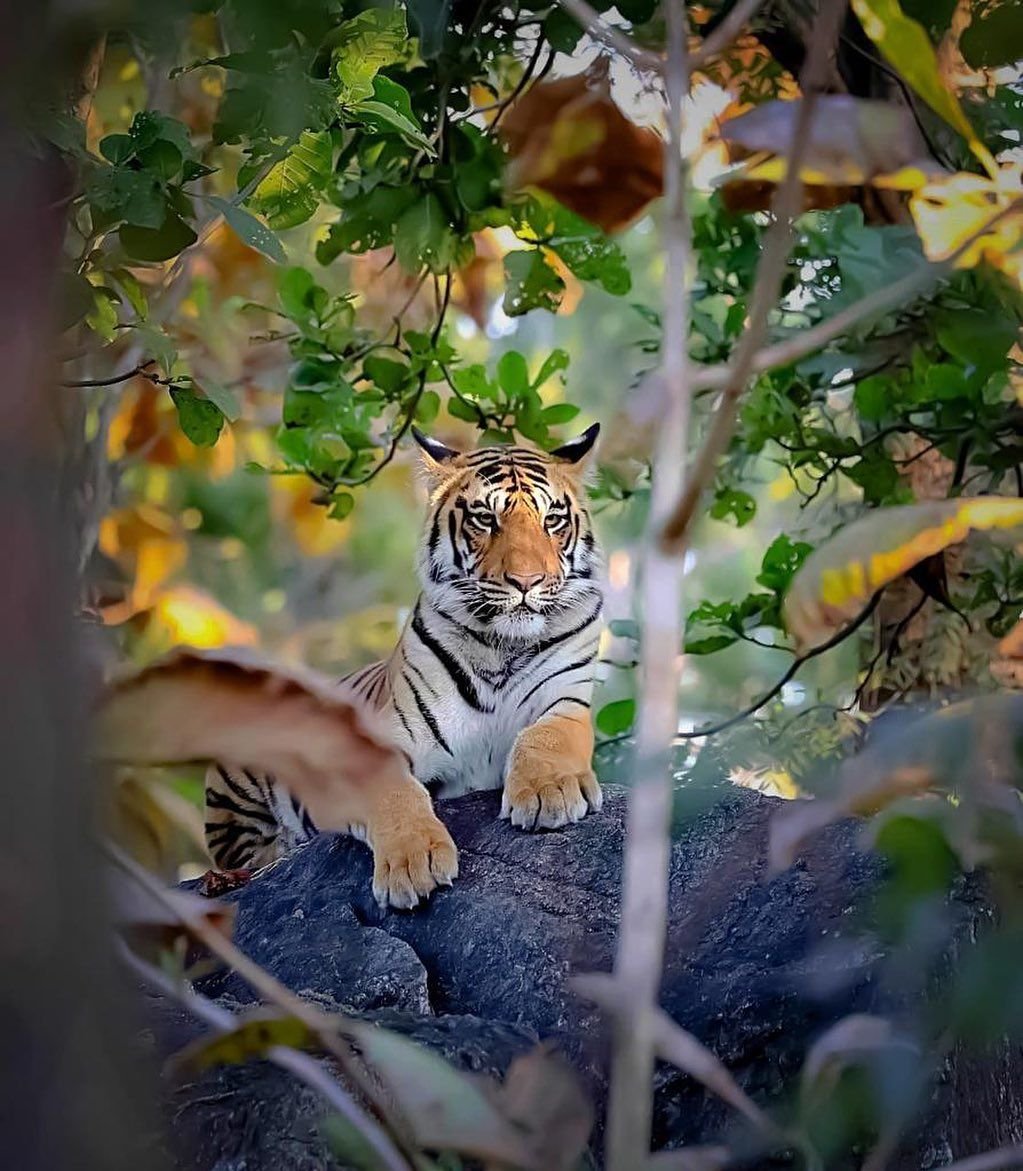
<point x="640" y="950"/>
<point x="770" y="274"/>
<point x="725" y="31"/>
<point x="614" y="38"/>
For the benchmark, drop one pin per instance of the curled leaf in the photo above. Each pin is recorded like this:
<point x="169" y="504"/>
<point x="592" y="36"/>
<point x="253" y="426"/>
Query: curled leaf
<point x="249" y="1040"/>
<point x="949" y="211"/>
<point x="852" y="141"/>
<point x="838" y="579"/>
<point x="570" y="139"/>
<point x="326" y="747"/>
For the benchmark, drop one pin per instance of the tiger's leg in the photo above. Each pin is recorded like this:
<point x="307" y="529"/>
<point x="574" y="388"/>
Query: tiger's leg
<point x="254" y="823"/>
<point x="549" y="780"/>
<point x="242" y="830"/>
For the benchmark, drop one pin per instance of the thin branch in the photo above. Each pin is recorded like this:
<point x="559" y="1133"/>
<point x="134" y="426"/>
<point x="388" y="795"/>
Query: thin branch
<point x="786" y="206"/>
<point x="326" y="1028"/>
<point x="641" y="934"/>
<point x="726" y="31"/>
<point x="300" y="1065"/>
<point x="614" y="38"/>
<point x="787" y="677"/>
<point x="799" y="345"/>
<point x="84" y="383"/>
<point x="1004" y="1157"/>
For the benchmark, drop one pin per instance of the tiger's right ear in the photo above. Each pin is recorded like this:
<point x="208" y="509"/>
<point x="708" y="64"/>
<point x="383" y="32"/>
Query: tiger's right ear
<point x="435" y="453"/>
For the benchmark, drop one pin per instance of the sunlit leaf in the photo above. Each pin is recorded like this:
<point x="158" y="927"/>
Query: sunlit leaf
<point x="363" y="46"/>
<point x="839" y="578"/>
<point x="906" y="45"/>
<point x="249" y="1040"/>
<point x="289" y="194"/>
<point x="530" y="283"/>
<point x="253" y="231"/>
<point x="851" y="141"/>
<point x="949" y="211"/>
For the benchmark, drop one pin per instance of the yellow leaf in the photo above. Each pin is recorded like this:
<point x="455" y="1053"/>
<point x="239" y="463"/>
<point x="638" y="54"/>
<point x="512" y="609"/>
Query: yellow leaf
<point x="837" y="580"/>
<point x="906" y="45"/>
<point x="191" y="617"/>
<point x="947" y="212"/>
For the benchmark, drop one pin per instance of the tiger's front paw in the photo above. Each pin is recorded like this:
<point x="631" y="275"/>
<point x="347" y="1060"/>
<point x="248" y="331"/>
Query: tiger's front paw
<point x="544" y="794"/>
<point x="410" y="861"/>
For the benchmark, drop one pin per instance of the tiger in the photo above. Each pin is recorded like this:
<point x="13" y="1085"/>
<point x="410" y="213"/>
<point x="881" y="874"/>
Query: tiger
<point x="489" y="685"/>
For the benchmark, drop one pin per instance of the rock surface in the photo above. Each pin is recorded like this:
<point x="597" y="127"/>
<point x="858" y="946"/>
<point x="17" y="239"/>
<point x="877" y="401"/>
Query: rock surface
<point x="755" y="969"/>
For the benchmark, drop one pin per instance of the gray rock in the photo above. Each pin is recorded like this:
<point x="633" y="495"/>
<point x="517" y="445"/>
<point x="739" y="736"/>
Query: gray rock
<point x="755" y="969"/>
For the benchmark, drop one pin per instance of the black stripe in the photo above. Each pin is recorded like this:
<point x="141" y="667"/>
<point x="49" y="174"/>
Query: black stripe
<point x="542" y="648"/>
<point x="405" y="723"/>
<point x="461" y="680"/>
<point x="562" y="699"/>
<point x="427" y="715"/>
<point x="216" y="800"/>
<point x="561" y="671"/>
<point x="419" y="675"/>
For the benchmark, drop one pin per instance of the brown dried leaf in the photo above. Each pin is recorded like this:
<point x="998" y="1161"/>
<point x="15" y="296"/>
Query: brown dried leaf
<point x="568" y="138"/>
<point x="542" y="1095"/>
<point x="323" y="743"/>
<point x="145" y="918"/>
<point x="852" y="142"/>
<point x="846" y="1043"/>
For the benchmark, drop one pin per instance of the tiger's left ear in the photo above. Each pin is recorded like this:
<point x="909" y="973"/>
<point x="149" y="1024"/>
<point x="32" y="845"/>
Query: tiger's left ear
<point x="576" y="450"/>
<point x="436" y="455"/>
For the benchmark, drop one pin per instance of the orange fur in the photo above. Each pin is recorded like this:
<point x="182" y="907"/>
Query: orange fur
<point x="550" y="781"/>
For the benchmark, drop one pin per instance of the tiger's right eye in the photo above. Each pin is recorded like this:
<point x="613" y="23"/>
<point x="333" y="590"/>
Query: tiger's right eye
<point x="482" y="522"/>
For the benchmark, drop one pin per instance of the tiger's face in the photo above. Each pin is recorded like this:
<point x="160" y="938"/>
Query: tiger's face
<point x="508" y="547"/>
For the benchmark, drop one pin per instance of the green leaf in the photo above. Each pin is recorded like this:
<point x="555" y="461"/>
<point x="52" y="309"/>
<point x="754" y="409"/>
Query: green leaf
<point x="981" y="340"/>
<point x="586" y="251"/>
<point x="735" y="503"/>
<point x="559" y="413"/>
<point x="872" y="397"/>
<point x="155" y="244"/>
<point x="200" y="419"/>
<point x="994" y="36"/>
<point x="382" y="118"/>
<point x="783" y="557"/>
<point x="224" y="398"/>
<point x="363" y="46"/>
<point x="368" y="221"/>
<point x="462" y="410"/>
<point x="556" y="361"/>
<point x="428" y="407"/>
<point x="617" y="717"/>
<point x="117" y="148"/>
<point x="530" y="283"/>
<point x="163" y="158"/>
<point x="118" y="194"/>
<point x="474" y="382"/>
<point x="341" y="505"/>
<point x="253" y="231"/>
<point x="905" y="44"/>
<point x="422" y="237"/>
<point x="289" y="194"/>
<point x="513" y="374"/>
<point x="389" y="375"/>
<point x="562" y="30"/>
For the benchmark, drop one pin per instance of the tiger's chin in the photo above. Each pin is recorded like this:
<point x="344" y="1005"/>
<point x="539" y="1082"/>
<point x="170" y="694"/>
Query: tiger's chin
<point x="519" y="625"/>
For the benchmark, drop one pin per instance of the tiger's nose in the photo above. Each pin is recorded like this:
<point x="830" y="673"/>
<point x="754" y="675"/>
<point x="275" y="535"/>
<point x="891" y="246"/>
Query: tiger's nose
<point x="524" y="581"/>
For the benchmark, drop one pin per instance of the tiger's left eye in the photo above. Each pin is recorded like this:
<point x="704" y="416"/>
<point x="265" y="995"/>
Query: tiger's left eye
<point x="482" y="522"/>
<point x="554" y="522"/>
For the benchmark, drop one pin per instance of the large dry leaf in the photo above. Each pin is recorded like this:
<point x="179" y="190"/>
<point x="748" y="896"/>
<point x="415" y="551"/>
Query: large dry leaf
<point x="851" y="142"/>
<point x="568" y="138"/>
<point x="949" y="211"/>
<point x="542" y="1095"/>
<point x="318" y="738"/>
<point x="838" y="579"/>
<point x="143" y="918"/>
<point x="846" y="1043"/>
<point x="968" y="749"/>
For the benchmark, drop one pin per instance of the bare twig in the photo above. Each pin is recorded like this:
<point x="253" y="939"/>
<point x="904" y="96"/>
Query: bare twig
<point x="85" y="383"/>
<point x="757" y="704"/>
<point x="726" y="31"/>
<point x="640" y="948"/>
<point x="770" y="273"/>
<point x="614" y="38"/>
<point x="999" y="1160"/>
<point x="324" y="1027"/>
<point x="300" y="1065"/>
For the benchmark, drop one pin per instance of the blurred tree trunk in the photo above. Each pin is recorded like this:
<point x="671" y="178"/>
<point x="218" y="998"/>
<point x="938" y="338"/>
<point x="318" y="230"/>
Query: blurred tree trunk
<point x="63" y="1076"/>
